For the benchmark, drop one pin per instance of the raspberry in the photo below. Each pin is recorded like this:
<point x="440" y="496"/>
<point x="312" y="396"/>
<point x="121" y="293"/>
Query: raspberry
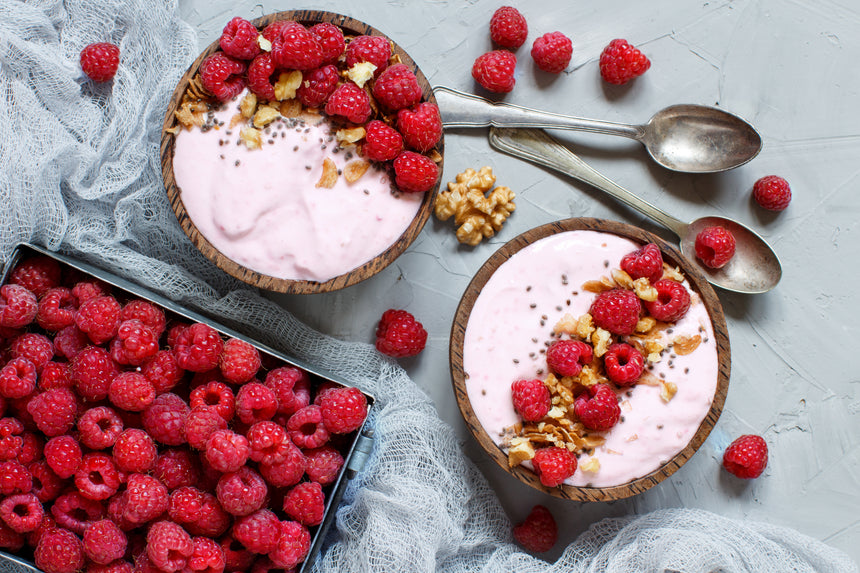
<point x="258" y="531"/>
<point x="746" y="457"/>
<point x="198" y="512"/>
<point x="330" y="39"/>
<point x="147" y="313"/>
<point x="239" y="361"/>
<point x="176" y="468"/>
<point x="381" y="142"/>
<point x="163" y="371"/>
<point x="295" y="48"/>
<point x="305" y="503"/>
<point x="134" y="344"/>
<point x="100" y="61"/>
<point x="198" y="348"/>
<point x="623" y="364"/>
<point x="184" y="505"/>
<point x="131" y="391"/>
<point x="18" y="306"/>
<point x="168" y="546"/>
<point x="37" y="348"/>
<point x="616" y="310"/>
<point x="92" y="372"/>
<point x="343" y="410"/>
<point x="118" y="566"/>
<point x="218" y="396"/>
<point x="97" y="477"/>
<point x="508" y="28"/>
<point x="63" y="455"/>
<point x="69" y="342"/>
<point x="22" y="512"/>
<point x="672" y="302"/>
<point x="255" y="402"/>
<point x="415" y="173"/>
<point x="294" y="543"/>
<point x="17" y="378"/>
<point x="54" y="375"/>
<point x="620" y="62"/>
<point x="317" y="85"/>
<point x="287" y="472"/>
<point x="145" y="499"/>
<point x="90" y="289"/>
<point x="241" y="492"/>
<point x="59" y="551"/>
<point x="349" y="101"/>
<point x="239" y="39"/>
<point x="99" y="318"/>
<point x="567" y="357"/>
<point x="56" y="309"/>
<point x="222" y="76"/>
<point x="46" y="484"/>
<point x="646" y="262"/>
<point x="552" y="52"/>
<point x="134" y="451"/>
<point x="306" y="428"/>
<point x="495" y="71"/>
<point x="273" y="30"/>
<point x="553" y="465"/>
<point x="32" y="448"/>
<point x="227" y="451"/>
<point x="104" y="542"/>
<point x="199" y="425"/>
<point x="11" y="442"/>
<point x="397" y="88"/>
<point x="421" y="126"/>
<point x="531" y="399"/>
<point x="599" y="412"/>
<point x="266" y="441"/>
<point x="772" y="192"/>
<point x="207" y="557"/>
<point x="237" y="557"/>
<point x="715" y="246"/>
<point x="165" y="418"/>
<point x="260" y="76"/>
<point x="33" y="537"/>
<point x="539" y="531"/>
<point x="176" y="328"/>
<point x="323" y="464"/>
<point x="38" y="274"/>
<point x="74" y="512"/>
<point x="99" y="428"/>
<point x="373" y="49"/>
<point x="9" y="539"/>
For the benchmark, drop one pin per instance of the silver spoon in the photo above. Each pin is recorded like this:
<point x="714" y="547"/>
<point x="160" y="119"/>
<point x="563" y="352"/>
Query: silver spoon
<point x="753" y="269"/>
<point x="685" y="138"/>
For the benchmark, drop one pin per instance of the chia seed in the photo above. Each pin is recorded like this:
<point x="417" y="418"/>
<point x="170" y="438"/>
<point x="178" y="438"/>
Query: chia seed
<point x="295" y="148"/>
<point x="238" y="163"/>
<point x="532" y="305"/>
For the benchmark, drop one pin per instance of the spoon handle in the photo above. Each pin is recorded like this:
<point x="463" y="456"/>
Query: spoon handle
<point x="460" y="109"/>
<point x="537" y="146"/>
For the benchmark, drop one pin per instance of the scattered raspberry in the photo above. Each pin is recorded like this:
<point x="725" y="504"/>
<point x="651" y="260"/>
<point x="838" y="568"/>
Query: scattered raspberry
<point x="266" y="441"/>
<point x="260" y="73"/>
<point x="104" y="542"/>
<point x="623" y="363"/>
<point x="258" y="531"/>
<point x="495" y="71"/>
<point x="99" y="428"/>
<point x="11" y="441"/>
<point x="146" y="498"/>
<point x="99" y="318"/>
<point x="508" y="28"/>
<point x="135" y="343"/>
<point x="349" y="101"/>
<point x="646" y="262"/>
<point x="22" y="512"/>
<point x="131" y="391"/>
<point x="381" y="142"/>
<point x="163" y="371"/>
<point x="54" y="375"/>
<point x="69" y="342"/>
<point x="305" y="503"/>
<point x="165" y="419"/>
<point x="620" y="62"/>
<point x="207" y="557"/>
<point x="97" y="477"/>
<point x="198" y="348"/>
<point x="239" y="39"/>
<point x="415" y="173"/>
<point x="539" y="532"/>
<point x="218" y="396"/>
<point x="343" y="410"/>
<point x="715" y="246"/>
<point x="36" y="348"/>
<point x="317" y="85"/>
<point x="63" y="455"/>
<point x="306" y="428"/>
<point x="421" y="126"/>
<point x="772" y="192"/>
<point x="672" y="303"/>
<point x="241" y="492"/>
<point x="255" y="402"/>
<point x="289" y="471"/>
<point x="239" y="361"/>
<point x="199" y="425"/>
<point x="100" y="61"/>
<point x="293" y="545"/>
<point x="47" y="485"/>
<point x="211" y="520"/>
<point x="90" y="289"/>
<point x="616" y="310"/>
<point x="323" y="464"/>
<point x="397" y="88"/>
<point x="531" y="399"/>
<point x="56" y="309"/>
<point x="746" y="457"/>
<point x="184" y="505"/>
<point x="92" y="372"/>
<point x="399" y="334"/>
<point x="223" y="76"/>
<point x="227" y="451"/>
<point x="74" y="512"/>
<point x="373" y="49"/>
<point x="599" y="412"/>
<point x="176" y="468"/>
<point x="168" y="546"/>
<point x="59" y="551"/>
<point x="552" y="52"/>
<point x="297" y="49"/>
<point x="38" y="274"/>
<point x="17" y="378"/>
<point x="553" y="465"/>
<point x="134" y="451"/>
<point x="18" y="306"/>
<point x="567" y="357"/>
<point x="330" y="39"/>
<point x="147" y="313"/>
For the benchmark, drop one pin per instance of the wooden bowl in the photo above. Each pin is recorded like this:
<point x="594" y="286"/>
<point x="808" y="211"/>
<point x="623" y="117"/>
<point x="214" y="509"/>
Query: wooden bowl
<point x="254" y="278"/>
<point x="672" y="256"/>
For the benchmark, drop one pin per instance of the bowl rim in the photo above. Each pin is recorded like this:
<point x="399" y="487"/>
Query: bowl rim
<point x="673" y="256"/>
<point x="269" y="282"/>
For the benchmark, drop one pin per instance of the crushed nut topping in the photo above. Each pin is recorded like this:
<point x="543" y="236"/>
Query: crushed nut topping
<point x="329" y="174"/>
<point x="476" y="214"/>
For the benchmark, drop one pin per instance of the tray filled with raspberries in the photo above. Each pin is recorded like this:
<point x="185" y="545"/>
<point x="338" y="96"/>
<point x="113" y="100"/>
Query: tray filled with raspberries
<point x="136" y="435"/>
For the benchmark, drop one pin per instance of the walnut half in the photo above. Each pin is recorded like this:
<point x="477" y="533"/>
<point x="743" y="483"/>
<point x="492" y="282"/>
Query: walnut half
<point x="476" y="214"/>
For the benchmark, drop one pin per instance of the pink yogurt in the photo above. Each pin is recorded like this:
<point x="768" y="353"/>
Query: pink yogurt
<point x="505" y="339"/>
<point x="262" y="208"/>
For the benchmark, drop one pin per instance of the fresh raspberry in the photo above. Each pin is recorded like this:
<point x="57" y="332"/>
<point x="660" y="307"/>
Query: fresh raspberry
<point x="255" y="402"/>
<point x="381" y="142"/>
<point x="672" y="302"/>
<point x="99" y="428"/>
<point x="287" y="472"/>
<point x="373" y="49"/>
<point x="75" y="512"/>
<point x="258" y="531"/>
<point x="64" y="455"/>
<point x="173" y="332"/>
<point x="217" y="396"/>
<point x="317" y="85"/>
<point x="59" y="551"/>
<point x="118" y="566"/>
<point x="397" y="88"/>
<point x="135" y="343"/>
<point x="131" y="391"/>
<point x="553" y="465"/>
<point x="146" y="498"/>
<point x="22" y="512"/>
<point x="323" y="464"/>
<point x="421" y="126"/>
<point x="330" y="39"/>
<point x="11" y="441"/>
<point x="99" y="318"/>
<point x="227" y="451"/>
<point x="305" y="503"/>
<point x="295" y="48"/>
<point x="715" y="246"/>
<point x="163" y="371"/>
<point x="266" y="441"/>
<point x="223" y="76"/>
<point x="241" y="492"/>
<point x="349" y="101"/>
<point x="343" y="410"/>
<point x="200" y="513"/>
<point x="207" y="557"/>
<point x="199" y="425"/>
<point x="531" y="399"/>
<point x="646" y="262"/>
<point x="294" y="543"/>
<point x="32" y="448"/>
<point x="147" y="313"/>
<point x="184" y="505"/>
<point x="38" y="274"/>
<point x="539" y="531"/>
<point x="273" y="30"/>
<point x="260" y="73"/>
<point x="17" y="378"/>
<point x="165" y="419"/>
<point x="600" y="411"/>
<point x="495" y="71"/>
<point x="322" y="389"/>
<point x="239" y="39"/>
<point x="746" y="457"/>
<point x="56" y="309"/>
<point x="69" y="342"/>
<point x="237" y="557"/>
<point x="306" y="428"/>
<point x="203" y="378"/>
<point x="33" y="537"/>
<point x="100" y="61"/>
<point x="623" y="364"/>
<point x="567" y="357"/>
<point x="552" y="52"/>
<point x="134" y="451"/>
<point x="772" y="192"/>
<point x="415" y="173"/>
<point x="18" y="409"/>
<point x="104" y="542"/>
<point x="47" y="485"/>
<point x="616" y="310"/>
<point x="90" y="289"/>
<point x="176" y="468"/>
<point x="239" y="362"/>
<point x="97" y="477"/>
<point x="54" y="375"/>
<point x="10" y="539"/>
<point x="198" y="348"/>
<point x="620" y="62"/>
<point x="168" y="546"/>
<point x="18" y="306"/>
<point x="508" y="27"/>
<point x="37" y="348"/>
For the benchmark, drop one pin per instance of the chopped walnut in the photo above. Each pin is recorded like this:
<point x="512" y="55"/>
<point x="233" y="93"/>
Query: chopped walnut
<point x="354" y="170"/>
<point x="265" y="115"/>
<point x="361" y="73"/>
<point x="476" y="214"/>
<point x="584" y="326"/>
<point x="644" y="290"/>
<point x="521" y="450"/>
<point x="645" y="324"/>
<point x="674" y="273"/>
<point x="592" y="465"/>
<point x="191" y="113"/>
<point x="252" y="138"/>
<point x="668" y="391"/>
<point x="597" y="286"/>
<point x="622" y="279"/>
<point x="248" y="105"/>
<point x="567" y="325"/>
<point x="683" y="345"/>
<point x="287" y="84"/>
<point x="329" y="174"/>
<point x="350" y="135"/>
<point x="264" y="44"/>
<point x="291" y="108"/>
<point x="601" y="339"/>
